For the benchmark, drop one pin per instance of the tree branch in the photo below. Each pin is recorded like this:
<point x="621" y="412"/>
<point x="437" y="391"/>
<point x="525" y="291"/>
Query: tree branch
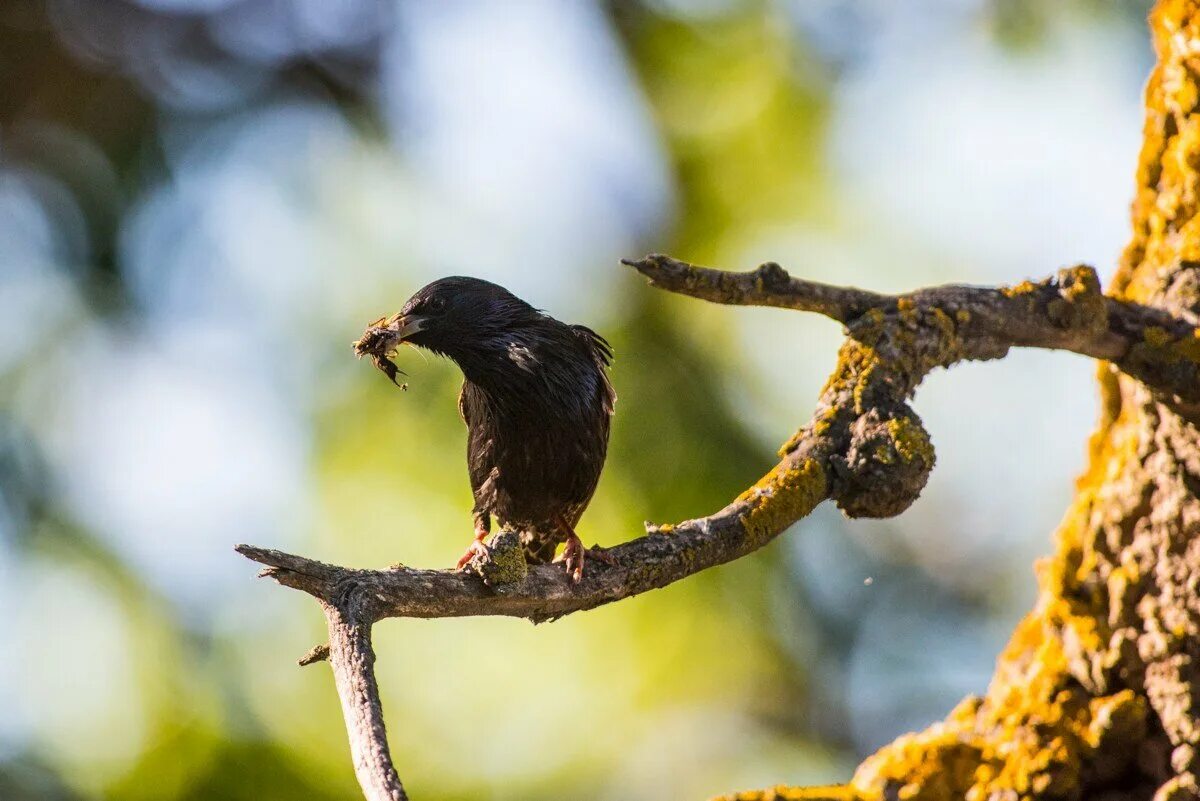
<point x="1066" y="312"/>
<point x="353" y="662"/>
<point x="865" y="448"/>
<point x="768" y="285"/>
<point x="665" y="555"/>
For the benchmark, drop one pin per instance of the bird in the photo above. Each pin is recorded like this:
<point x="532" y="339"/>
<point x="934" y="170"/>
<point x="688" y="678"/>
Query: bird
<point x="537" y="402"/>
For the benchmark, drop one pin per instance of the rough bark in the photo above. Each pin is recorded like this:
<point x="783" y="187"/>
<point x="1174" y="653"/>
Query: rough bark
<point x="353" y="661"/>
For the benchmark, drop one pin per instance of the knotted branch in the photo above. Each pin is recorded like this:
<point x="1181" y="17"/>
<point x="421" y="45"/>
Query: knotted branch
<point x="864" y="447"/>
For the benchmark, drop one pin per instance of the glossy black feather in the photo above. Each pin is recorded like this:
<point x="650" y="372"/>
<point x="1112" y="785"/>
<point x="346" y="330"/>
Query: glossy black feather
<point x="536" y="400"/>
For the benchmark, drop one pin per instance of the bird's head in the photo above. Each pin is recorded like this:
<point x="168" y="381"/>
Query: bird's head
<point x="458" y="317"/>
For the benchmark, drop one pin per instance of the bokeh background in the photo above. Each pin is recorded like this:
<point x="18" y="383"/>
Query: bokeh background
<point x="202" y="202"/>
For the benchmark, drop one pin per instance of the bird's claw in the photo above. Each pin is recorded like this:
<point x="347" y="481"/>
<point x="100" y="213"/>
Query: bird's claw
<point x="574" y="555"/>
<point x="573" y="562"/>
<point x="477" y="548"/>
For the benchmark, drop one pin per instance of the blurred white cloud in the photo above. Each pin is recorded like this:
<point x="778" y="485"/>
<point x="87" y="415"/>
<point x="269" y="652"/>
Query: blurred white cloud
<point x="185" y="246"/>
<point x="914" y="660"/>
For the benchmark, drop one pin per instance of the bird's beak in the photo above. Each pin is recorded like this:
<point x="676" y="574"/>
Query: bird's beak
<point x="405" y="327"/>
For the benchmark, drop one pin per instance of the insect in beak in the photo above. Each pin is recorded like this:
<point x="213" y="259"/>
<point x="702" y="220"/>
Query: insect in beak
<point x="381" y="339"/>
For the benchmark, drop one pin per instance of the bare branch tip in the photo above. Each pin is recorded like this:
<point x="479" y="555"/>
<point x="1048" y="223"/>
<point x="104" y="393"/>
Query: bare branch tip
<point x="650" y="264"/>
<point x="264" y="556"/>
<point x="318" y="653"/>
<point x="643" y="265"/>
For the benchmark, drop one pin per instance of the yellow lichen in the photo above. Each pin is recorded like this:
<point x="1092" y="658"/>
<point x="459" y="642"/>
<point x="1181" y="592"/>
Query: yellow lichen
<point x="781" y="793"/>
<point x="505" y="563"/>
<point x="1023" y="288"/>
<point x="869" y="365"/>
<point x="783" y="496"/>
<point x="943" y="322"/>
<point x="1171" y="362"/>
<point x="1036" y="734"/>
<point x="1156" y="336"/>
<point x="910" y="439"/>
<point x="825" y="420"/>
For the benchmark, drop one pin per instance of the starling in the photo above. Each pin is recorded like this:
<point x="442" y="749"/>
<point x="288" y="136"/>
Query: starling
<point x="536" y="400"/>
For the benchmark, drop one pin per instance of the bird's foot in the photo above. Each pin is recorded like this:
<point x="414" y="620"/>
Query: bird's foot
<point x="574" y="555"/>
<point x="476" y="549"/>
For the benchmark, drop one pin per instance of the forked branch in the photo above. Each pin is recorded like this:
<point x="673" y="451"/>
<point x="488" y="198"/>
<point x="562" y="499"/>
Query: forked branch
<point x="865" y="448"/>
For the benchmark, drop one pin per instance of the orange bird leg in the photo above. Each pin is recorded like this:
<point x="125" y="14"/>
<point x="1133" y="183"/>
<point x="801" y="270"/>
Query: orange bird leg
<point x="483" y="524"/>
<point x="574" y="554"/>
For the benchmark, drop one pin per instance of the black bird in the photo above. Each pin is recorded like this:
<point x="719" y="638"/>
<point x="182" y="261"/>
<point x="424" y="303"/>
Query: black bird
<point x="536" y="400"/>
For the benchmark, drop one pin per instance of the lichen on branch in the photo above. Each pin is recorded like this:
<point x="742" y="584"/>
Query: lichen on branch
<point x="1097" y="695"/>
<point x="865" y="448"/>
<point x="1067" y="311"/>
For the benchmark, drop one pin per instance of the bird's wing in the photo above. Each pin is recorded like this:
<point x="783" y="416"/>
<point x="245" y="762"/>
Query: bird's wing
<point x="600" y="349"/>
<point x="602" y="355"/>
<point x="583" y="448"/>
<point x="480" y="444"/>
<point x="462" y="405"/>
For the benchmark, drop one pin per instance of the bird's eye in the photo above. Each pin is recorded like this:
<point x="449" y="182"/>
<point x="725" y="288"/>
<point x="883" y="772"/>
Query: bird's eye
<point x="437" y="304"/>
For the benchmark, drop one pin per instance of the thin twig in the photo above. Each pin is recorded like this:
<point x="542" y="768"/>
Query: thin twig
<point x="768" y="285"/>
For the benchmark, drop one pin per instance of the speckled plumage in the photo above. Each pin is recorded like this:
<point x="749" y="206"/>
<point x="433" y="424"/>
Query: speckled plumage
<point x="536" y="399"/>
